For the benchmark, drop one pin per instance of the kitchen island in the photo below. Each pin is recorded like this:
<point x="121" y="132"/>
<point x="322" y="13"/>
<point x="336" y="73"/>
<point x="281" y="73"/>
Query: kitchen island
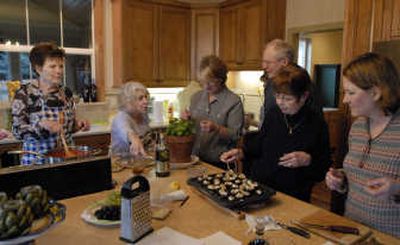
<point x="197" y="217"/>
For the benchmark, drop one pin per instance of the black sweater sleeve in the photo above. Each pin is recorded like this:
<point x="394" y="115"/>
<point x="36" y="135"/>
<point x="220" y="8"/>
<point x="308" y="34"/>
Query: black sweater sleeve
<point x="320" y="154"/>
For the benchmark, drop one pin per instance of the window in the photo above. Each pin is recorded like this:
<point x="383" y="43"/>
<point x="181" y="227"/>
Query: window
<point x="304" y="54"/>
<point x="68" y="23"/>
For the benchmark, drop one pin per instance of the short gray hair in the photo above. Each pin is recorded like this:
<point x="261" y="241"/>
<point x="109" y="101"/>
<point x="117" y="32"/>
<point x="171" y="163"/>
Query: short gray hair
<point x="128" y="93"/>
<point x="283" y="49"/>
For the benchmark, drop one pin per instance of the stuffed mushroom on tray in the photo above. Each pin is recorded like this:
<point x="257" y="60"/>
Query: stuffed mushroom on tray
<point x="231" y="190"/>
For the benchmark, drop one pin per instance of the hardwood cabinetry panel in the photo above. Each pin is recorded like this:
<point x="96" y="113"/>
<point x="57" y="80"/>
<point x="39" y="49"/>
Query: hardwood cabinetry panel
<point x="386" y="20"/>
<point x="245" y="26"/>
<point x="228" y="35"/>
<point x="205" y="23"/>
<point x="336" y="126"/>
<point x="151" y="43"/>
<point x="139" y="57"/>
<point x="252" y="26"/>
<point x="174" y="45"/>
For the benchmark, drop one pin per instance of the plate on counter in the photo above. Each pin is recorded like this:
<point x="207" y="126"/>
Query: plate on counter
<point x="89" y="217"/>
<point x="184" y="165"/>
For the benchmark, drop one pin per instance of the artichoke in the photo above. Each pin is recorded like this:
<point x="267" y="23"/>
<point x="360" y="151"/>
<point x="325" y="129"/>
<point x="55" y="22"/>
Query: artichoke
<point x="15" y="219"/>
<point x="36" y="198"/>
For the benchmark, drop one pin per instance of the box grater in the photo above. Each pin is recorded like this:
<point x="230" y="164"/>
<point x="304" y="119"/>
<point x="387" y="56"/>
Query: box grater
<point x="135" y="209"/>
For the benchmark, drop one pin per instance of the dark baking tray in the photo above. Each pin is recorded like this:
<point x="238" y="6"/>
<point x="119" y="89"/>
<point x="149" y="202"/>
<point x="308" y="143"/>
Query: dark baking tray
<point x="236" y="204"/>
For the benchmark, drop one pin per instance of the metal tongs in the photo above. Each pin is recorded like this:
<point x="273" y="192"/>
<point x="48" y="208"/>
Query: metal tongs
<point x="335" y="228"/>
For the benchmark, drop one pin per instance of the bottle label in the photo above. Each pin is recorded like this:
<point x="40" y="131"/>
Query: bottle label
<point x="162" y="168"/>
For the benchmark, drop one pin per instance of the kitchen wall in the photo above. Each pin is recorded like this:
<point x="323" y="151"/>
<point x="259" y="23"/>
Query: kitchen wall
<point x="248" y="86"/>
<point x="326" y="47"/>
<point x="300" y="13"/>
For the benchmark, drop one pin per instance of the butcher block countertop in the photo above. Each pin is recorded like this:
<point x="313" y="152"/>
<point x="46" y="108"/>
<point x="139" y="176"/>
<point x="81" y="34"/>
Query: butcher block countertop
<point x="198" y="217"/>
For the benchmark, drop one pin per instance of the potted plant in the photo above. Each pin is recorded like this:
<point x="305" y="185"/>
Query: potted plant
<point x="180" y="139"/>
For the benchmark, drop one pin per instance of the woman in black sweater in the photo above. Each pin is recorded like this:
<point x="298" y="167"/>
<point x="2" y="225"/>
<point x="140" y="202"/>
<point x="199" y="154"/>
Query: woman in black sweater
<point x="291" y="152"/>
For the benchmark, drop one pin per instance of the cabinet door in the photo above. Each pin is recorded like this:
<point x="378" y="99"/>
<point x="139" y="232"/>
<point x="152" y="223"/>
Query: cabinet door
<point x="174" y="46"/>
<point x="138" y="42"/>
<point x="228" y="35"/>
<point x="205" y="31"/>
<point x="250" y="34"/>
<point x="386" y="20"/>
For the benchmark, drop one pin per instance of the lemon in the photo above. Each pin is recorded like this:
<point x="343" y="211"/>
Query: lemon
<point x="174" y="185"/>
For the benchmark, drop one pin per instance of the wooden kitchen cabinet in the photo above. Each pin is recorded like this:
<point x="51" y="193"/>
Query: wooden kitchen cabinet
<point x="152" y="43"/>
<point x="245" y="26"/>
<point x="174" y="45"/>
<point x="205" y="33"/>
<point x="386" y="20"/>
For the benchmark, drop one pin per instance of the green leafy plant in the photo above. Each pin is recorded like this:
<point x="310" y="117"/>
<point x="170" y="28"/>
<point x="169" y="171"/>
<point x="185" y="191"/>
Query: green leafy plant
<point x="180" y="127"/>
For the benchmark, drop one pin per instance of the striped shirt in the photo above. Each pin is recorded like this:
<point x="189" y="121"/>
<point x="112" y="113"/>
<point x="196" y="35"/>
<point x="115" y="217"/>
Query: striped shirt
<point x="369" y="159"/>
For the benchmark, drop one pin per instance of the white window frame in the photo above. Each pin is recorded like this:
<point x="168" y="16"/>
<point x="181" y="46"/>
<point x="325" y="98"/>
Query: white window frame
<point x="17" y="48"/>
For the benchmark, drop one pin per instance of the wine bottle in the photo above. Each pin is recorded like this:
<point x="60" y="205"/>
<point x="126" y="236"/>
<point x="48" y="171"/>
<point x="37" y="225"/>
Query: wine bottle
<point x="162" y="157"/>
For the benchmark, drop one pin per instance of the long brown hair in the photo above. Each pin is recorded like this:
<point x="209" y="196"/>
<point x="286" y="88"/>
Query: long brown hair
<point x="372" y="69"/>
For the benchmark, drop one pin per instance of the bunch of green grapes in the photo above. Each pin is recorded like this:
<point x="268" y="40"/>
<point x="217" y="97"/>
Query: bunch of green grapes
<point x="113" y="199"/>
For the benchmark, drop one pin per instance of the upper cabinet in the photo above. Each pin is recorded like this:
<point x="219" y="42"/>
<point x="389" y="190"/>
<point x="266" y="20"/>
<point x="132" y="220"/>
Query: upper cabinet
<point x="151" y="43"/>
<point x="245" y="26"/>
<point x="174" y="46"/>
<point x="386" y="20"/>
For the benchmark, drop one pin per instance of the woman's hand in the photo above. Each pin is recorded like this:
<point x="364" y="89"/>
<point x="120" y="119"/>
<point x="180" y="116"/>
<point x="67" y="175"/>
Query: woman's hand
<point x="383" y="188"/>
<point x="136" y="148"/>
<point x="50" y="125"/>
<point x="295" y="159"/>
<point x="231" y="155"/>
<point x="335" y="180"/>
<point x="208" y="126"/>
<point x="83" y="125"/>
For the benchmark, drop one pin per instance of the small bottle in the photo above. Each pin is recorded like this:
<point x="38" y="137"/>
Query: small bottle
<point x="260" y="226"/>
<point x="162" y="157"/>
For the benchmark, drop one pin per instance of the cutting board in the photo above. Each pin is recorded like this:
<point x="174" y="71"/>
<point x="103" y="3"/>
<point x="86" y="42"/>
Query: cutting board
<point x="323" y="217"/>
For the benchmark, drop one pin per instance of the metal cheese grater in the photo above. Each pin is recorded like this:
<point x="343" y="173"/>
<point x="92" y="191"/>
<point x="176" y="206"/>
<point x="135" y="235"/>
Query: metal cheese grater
<point x="135" y="209"/>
